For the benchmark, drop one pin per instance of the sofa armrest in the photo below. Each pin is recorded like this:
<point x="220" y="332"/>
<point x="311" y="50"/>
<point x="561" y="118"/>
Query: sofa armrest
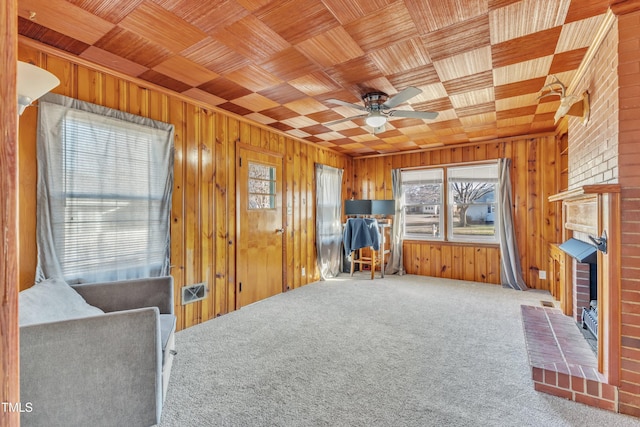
<point x="101" y="370"/>
<point x="129" y="294"/>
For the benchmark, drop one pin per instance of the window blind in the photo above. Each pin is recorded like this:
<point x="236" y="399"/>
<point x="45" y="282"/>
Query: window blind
<point x="107" y="177"/>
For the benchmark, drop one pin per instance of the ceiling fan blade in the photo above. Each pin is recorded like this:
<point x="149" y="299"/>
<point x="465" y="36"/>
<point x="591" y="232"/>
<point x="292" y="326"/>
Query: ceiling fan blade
<point x="347" y="104"/>
<point x="425" y="115"/>
<point x="346" y="119"/>
<point x="400" y="97"/>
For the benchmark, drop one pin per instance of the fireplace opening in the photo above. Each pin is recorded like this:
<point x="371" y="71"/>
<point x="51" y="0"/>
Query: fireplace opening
<point x="585" y="287"/>
<point x="590" y="313"/>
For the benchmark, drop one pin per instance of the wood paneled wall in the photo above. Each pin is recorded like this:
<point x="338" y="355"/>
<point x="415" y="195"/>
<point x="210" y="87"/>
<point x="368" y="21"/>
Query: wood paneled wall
<point x="9" y="335"/>
<point x="203" y="219"/>
<point x="537" y="222"/>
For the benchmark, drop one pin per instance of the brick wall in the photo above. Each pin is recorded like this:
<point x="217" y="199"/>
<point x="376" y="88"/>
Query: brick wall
<point x="593" y="146"/>
<point x="629" y="179"/>
<point x="607" y="150"/>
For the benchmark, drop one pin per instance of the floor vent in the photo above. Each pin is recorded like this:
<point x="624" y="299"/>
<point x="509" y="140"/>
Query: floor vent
<point x="547" y="304"/>
<point x="193" y="293"/>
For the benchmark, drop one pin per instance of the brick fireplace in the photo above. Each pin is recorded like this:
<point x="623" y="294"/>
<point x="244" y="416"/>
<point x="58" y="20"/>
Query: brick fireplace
<point x="563" y="362"/>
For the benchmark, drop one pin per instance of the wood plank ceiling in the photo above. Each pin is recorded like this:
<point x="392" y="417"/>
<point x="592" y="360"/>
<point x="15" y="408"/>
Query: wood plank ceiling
<point x="481" y="64"/>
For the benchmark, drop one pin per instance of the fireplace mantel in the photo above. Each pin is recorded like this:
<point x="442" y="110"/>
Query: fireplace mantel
<point x="585" y="190"/>
<point x="583" y="208"/>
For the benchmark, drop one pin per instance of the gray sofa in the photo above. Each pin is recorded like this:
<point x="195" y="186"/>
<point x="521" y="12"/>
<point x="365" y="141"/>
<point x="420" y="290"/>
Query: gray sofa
<point x="105" y="362"/>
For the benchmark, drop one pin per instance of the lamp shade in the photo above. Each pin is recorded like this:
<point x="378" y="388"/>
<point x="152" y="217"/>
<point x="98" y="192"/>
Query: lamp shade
<point x="33" y="82"/>
<point x="375" y="120"/>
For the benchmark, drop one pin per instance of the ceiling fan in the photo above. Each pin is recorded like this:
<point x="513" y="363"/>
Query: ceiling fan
<point x="379" y="108"/>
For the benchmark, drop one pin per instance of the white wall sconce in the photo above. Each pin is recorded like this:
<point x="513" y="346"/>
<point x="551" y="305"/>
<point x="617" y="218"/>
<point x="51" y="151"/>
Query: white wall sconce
<point x="33" y="82"/>
<point x="570" y="105"/>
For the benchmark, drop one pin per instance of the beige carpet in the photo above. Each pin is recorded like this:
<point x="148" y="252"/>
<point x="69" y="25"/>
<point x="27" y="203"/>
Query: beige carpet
<point x="398" y="351"/>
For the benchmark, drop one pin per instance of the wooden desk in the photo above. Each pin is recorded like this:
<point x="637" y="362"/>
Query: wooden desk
<point x="377" y="258"/>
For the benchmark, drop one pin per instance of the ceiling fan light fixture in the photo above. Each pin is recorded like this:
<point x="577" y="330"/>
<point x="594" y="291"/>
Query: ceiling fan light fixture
<point x="375" y="120"/>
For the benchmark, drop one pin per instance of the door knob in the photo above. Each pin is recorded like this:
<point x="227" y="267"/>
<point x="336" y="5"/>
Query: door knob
<point x="280" y="230"/>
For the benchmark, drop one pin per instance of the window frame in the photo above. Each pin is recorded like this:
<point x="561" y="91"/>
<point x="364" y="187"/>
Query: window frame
<point x="446" y="211"/>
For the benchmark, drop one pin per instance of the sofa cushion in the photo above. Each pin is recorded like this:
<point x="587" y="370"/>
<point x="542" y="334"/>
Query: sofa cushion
<point x="52" y="300"/>
<point x="167" y="326"/>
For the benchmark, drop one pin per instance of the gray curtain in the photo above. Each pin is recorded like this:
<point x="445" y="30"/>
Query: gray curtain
<point x="328" y="220"/>
<point x="510" y="268"/>
<point x="105" y="180"/>
<point x="395" y="264"/>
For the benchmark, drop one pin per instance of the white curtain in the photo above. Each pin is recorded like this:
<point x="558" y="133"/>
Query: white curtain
<point x="510" y="268"/>
<point x="105" y="180"/>
<point x="328" y="216"/>
<point x="395" y="265"/>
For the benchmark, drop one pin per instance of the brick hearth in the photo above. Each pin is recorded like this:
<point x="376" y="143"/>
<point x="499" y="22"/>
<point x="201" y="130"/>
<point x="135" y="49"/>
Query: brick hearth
<point x="562" y="362"/>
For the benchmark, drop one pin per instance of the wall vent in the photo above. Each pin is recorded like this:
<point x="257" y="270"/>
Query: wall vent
<point x="195" y="292"/>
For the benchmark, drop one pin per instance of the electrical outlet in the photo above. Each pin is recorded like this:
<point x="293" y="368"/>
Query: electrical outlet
<point x="303" y="272"/>
<point x="542" y="274"/>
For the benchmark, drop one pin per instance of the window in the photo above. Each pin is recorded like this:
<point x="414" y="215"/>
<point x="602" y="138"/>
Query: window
<point x="106" y="195"/>
<point x="262" y="186"/>
<point x="472" y="201"/>
<point x="423" y="199"/>
<point x="463" y="211"/>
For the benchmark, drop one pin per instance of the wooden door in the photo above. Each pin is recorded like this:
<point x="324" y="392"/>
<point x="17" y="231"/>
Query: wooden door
<point x="260" y="230"/>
